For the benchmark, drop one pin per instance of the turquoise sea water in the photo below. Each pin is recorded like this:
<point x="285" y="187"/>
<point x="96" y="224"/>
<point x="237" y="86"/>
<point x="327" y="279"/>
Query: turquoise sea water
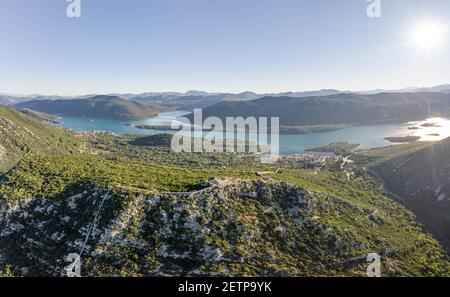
<point x="366" y="136"/>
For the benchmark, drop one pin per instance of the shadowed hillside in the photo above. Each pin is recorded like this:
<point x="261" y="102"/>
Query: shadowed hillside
<point x="338" y="109"/>
<point x="421" y="179"/>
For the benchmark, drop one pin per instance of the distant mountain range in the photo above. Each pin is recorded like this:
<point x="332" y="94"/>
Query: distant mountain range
<point x="295" y="109"/>
<point x="200" y="99"/>
<point x="440" y="88"/>
<point x="98" y="106"/>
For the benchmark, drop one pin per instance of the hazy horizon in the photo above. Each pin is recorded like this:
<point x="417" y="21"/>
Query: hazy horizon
<point x="233" y="46"/>
<point x="219" y="92"/>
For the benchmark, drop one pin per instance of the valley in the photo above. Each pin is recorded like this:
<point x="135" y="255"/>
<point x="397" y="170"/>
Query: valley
<point x="132" y="207"/>
<point x="193" y="147"/>
<point x="421" y="178"/>
<point x="367" y="136"/>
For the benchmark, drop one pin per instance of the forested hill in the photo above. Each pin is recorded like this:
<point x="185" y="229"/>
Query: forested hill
<point x="21" y="134"/>
<point x="97" y="107"/>
<point x="345" y="108"/>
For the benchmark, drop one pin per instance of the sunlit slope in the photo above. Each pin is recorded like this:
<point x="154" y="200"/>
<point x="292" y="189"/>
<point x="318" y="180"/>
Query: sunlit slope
<point x="96" y="107"/>
<point x="21" y="134"/>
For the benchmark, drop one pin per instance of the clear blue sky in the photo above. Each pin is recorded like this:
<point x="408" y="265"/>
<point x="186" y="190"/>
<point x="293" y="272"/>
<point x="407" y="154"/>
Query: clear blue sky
<point x="215" y="45"/>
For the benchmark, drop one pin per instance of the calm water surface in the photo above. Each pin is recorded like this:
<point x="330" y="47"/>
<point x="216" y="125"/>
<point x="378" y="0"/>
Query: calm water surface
<point x="367" y="136"/>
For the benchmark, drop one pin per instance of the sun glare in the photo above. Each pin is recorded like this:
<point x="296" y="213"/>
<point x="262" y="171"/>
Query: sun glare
<point x="430" y="35"/>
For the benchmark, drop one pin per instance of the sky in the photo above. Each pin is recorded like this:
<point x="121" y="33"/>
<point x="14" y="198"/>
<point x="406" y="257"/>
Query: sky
<point x="265" y="46"/>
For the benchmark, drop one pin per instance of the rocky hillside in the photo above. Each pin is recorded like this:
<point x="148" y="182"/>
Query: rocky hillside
<point x="228" y="227"/>
<point x="98" y="106"/>
<point x="21" y="134"/>
<point x="421" y="180"/>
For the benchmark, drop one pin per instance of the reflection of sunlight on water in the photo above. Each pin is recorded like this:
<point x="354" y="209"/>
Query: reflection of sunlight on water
<point x="366" y="136"/>
<point x="435" y="129"/>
